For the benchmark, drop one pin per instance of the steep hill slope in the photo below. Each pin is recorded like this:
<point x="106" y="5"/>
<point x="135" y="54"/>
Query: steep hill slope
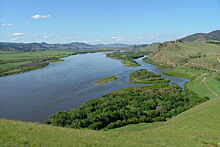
<point x="198" y="126"/>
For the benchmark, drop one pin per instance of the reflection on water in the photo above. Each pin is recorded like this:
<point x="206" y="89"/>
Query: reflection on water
<point x="34" y="95"/>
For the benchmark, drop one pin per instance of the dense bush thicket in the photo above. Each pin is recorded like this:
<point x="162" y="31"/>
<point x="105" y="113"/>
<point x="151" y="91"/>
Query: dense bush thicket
<point x="128" y="106"/>
<point x="143" y="76"/>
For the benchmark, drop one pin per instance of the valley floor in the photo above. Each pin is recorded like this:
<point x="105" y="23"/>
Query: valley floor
<point x="198" y="126"/>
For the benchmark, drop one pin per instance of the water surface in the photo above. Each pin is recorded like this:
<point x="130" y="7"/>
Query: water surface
<point x="34" y="95"/>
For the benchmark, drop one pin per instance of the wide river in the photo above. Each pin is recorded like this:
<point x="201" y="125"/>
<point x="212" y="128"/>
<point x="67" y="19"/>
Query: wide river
<point x="62" y="86"/>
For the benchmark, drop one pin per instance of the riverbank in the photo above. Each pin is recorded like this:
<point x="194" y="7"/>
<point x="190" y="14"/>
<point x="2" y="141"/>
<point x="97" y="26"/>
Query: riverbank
<point x="202" y="81"/>
<point x="150" y="103"/>
<point x="127" y="58"/>
<point x="76" y="75"/>
<point x="13" y="63"/>
<point x="199" y="122"/>
<point x="106" y="80"/>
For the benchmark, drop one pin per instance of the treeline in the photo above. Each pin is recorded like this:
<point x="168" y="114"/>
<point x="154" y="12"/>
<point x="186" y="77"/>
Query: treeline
<point x="128" y="106"/>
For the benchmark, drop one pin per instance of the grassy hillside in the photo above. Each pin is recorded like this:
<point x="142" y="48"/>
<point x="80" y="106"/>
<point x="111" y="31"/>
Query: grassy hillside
<point x="198" y="126"/>
<point x="190" y="54"/>
<point x="198" y="61"/>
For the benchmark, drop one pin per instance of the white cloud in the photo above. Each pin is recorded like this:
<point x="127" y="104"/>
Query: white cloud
<point x="84" y="41"/>
<point x="14" y="39"/>
<point x="98" y="40"/>
<point x="37" y="16"/>
<point x="17" y="34"/>
<point x="34" y="34"/>
<point x="118" y="38"/>
<point x="48" y="36"/>
<point x="7" y="25"/>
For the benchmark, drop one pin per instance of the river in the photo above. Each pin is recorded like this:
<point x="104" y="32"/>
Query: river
<point x="62" y="86"/>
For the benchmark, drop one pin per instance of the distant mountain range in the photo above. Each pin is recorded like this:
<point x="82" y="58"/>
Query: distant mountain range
<point x="30" y="47"/>
<point x="214" y="35"/>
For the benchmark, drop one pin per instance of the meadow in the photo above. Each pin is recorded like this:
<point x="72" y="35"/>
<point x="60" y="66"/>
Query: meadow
<point x="198" y="126"/>
<point x="17" y="62"/>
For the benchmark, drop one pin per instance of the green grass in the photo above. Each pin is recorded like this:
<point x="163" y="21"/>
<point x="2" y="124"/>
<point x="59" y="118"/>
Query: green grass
<point x="212" y="84"/>
<point x="190" y="54"/>
<point x="198" y="126"/>
<point x="210" y="89"/>
<point x="55" y="60"/>
<point x="14" y="62"/>
<point x="127" y="58"/>
<point x="139" y="127"/>
<point x="159" y="65"/>
<point x="144" y="77"/>
<point x="125" y="55"/>
<point x="129" y="62"/>
<point x="106" y="80"/>
<point x="185" y="72"/>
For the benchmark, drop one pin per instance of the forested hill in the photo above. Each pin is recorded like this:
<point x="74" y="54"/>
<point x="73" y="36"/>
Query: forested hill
<point x="30" y="47"/>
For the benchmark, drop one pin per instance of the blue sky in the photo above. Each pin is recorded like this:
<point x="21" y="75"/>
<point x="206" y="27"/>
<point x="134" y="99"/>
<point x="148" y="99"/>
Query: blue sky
<point x="105" y="21"/>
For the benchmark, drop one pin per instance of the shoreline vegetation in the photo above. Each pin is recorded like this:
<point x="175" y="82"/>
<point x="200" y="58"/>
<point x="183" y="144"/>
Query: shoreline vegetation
<point x="129" y="62"/>
<point x="106" y="80"/>
<point x="203" y="81"/>
<point x="167" y="114"/>
<point x="14" y="63"/>
<point x="161" y="66"/>
<point x="55" y="60"/>
<point x="174" y="132"/>
<point x="143" y="104"/>
<point x="127" y="58"/>
<point x="144" y="76"/>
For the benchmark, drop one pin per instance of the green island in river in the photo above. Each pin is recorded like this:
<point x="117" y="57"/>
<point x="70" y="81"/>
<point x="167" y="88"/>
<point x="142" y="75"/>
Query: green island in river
<point x="144" y="76"/>
<point x="158" y="114"/>
<point x="106" y="80"/>
<point x="127" y="58"/>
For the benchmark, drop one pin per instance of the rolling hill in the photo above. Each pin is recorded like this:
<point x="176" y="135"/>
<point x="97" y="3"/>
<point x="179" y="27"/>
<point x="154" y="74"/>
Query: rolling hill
<point x="214" y="35"/>
<point x="196" y="57"/>
<point x="31" y="47"/>
<point x="200" y="54"/>
<point x="198" y="126"/>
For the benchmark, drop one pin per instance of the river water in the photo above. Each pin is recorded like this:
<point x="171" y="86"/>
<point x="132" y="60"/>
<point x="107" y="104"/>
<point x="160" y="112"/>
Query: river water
<point x="62" y="86"/>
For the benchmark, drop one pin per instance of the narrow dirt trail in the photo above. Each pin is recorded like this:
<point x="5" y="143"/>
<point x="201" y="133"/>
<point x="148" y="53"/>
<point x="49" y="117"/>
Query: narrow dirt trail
<point x="218" y="59"/>
<point x="206" y="85"/>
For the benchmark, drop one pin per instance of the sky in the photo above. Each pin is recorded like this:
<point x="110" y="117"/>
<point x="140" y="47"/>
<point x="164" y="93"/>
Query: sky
<point x="105" y="21"/>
